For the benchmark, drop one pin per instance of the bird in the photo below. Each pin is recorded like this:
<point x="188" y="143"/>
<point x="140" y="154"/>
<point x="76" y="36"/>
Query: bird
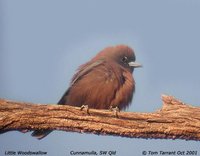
<point x="103" y="82"/>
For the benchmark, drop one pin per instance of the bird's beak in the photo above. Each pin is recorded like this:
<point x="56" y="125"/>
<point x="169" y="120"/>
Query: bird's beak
<point x="134" y="64"/>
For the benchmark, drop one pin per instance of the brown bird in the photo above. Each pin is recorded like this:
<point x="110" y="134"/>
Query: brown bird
<point x="103" y="82"/>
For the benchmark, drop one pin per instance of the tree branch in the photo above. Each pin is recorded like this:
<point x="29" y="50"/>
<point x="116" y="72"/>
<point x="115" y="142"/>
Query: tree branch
<point x="175" y="120"/>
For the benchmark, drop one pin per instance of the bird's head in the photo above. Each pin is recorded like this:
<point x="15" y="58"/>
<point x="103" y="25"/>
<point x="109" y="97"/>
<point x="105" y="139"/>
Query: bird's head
<point x="120" y="54"/>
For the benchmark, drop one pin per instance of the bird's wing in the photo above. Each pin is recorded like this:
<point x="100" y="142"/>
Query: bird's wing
<point x="83" y="70"/>
<point x="95" y="86"/>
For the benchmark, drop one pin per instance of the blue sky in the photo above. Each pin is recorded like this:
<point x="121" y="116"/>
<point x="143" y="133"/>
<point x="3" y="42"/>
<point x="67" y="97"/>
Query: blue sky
<point x="43" y="42"/>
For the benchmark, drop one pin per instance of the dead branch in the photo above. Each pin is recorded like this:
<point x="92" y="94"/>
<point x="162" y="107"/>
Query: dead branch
<point x="175" y="120"/>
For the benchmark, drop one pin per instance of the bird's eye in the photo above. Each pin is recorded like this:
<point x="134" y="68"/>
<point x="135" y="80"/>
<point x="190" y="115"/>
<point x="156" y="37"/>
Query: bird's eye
<point x="124" y="59"/>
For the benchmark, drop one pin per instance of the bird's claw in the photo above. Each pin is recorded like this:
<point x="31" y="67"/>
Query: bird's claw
<point x="116" y="110"/>
<point x="85" y="107"/>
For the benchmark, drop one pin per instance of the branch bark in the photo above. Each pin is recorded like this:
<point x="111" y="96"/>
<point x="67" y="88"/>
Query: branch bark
<point x="175" y="120"/>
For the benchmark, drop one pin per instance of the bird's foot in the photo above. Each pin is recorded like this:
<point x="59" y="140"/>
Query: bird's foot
<point x="115" y="110"/>
<point x="85" y="107"/>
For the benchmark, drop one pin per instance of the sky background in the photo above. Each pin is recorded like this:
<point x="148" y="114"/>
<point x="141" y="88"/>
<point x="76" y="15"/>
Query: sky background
<point x="43" y="42"/>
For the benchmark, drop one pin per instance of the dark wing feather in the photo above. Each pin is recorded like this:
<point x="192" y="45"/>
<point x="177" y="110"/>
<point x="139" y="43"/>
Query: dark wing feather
<point x="83" y="70"/>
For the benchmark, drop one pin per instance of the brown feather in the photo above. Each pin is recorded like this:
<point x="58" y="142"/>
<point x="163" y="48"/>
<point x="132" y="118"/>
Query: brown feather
<point x="104" y="81"/>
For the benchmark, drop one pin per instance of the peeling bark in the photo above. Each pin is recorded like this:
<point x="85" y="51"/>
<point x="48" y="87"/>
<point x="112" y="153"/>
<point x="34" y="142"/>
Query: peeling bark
<point x="175" y="120"/>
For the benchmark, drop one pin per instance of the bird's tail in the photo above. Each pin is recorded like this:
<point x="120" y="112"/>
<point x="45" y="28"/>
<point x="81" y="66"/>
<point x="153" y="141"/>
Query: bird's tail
<point x="40" y="134"/>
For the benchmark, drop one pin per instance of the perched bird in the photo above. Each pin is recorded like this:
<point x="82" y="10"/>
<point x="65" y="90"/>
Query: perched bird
<point x="103" y="82"/>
